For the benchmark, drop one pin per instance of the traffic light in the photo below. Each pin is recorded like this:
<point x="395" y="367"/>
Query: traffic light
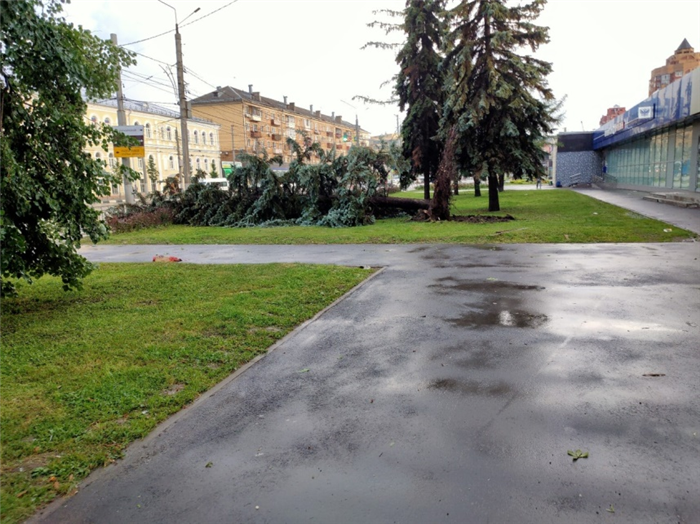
<point x="345" y="137"/>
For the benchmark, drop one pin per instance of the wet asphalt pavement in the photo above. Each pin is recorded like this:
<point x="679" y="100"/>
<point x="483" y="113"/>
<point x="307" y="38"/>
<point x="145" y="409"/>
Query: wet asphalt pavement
<point x="447" y="388"/>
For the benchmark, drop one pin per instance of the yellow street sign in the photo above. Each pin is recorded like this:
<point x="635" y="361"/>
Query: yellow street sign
<point x="130" y="152"/>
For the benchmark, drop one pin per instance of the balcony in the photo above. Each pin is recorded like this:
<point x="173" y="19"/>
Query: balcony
<point x="330" y="145"/>
<point x="277" y="137"/>
<point x="329" y="133"/>
<point x="317" y="132"/>
<point x="256" y="134"/>
<point x="254" y="114"/>
<point x="275" y="122"/>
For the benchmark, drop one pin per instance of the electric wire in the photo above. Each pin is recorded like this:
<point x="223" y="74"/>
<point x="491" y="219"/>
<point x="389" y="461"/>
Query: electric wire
<point x="183" y="25"/>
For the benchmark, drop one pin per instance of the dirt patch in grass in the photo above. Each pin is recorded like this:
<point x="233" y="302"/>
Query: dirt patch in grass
<point x="470" y="219"/>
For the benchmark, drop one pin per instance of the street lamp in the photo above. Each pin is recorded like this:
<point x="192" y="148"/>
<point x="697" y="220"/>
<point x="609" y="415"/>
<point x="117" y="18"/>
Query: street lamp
<point x="357" y="125"/>
<point x="182" y="98"/>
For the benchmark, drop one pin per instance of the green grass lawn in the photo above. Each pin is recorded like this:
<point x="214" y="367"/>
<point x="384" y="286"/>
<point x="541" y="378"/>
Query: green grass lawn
<point x="556" y="216"/>
<point x="85" y="373"/>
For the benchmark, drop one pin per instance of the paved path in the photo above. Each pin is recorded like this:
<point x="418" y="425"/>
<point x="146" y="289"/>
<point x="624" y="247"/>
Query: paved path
<point x="447" y="388"/>
<point x="682" y="217"/>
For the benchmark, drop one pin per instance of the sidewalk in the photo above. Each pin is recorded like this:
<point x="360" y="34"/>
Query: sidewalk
<point x="681" y="217"/>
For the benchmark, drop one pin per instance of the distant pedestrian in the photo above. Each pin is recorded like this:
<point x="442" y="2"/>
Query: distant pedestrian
<point x="539" y="182"/>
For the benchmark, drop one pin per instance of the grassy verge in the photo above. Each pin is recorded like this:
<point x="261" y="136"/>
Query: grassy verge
<point x="541" y="217"/>
<point x="86" y="373"/>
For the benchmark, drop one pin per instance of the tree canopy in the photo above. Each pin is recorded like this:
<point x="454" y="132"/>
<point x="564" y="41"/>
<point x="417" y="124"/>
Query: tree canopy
<point x="498" y="100"/>
<point x="419" y="86"/>
<point x="47" y="179"/>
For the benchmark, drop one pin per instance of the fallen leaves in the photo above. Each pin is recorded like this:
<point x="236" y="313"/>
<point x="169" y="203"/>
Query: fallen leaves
<point x="578" y="454"/>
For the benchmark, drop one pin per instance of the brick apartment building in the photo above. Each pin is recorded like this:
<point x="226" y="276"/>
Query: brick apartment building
<point x="683" y="61"/>
<point x="251" y="123"/>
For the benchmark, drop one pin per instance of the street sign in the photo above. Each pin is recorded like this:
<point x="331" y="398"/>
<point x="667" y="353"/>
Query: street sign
<point x="137" y="151"/>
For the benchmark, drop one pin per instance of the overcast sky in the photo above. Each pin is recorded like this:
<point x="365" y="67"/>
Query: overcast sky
<point x="602" y="51"/>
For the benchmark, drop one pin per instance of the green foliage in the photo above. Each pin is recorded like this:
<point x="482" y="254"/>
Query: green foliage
<point x="419" y="86"/>
<point x="152" y="172"/>
<point x="335" y="192"/>
<point x="498" y="100"/>
<point x="47" y="179"/>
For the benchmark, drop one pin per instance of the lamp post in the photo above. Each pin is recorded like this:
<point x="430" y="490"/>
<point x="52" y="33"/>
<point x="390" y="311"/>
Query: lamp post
<point x="182" y="99"/>
<point x="357" y="124"/>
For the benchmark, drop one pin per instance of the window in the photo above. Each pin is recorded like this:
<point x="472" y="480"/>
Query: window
<point x="147" y="130"/>
<point x="198" y="166"/>
<point x="136" y="123"/>
<point x="98" y="156"/>
<point x="206" y="162"/>
<point x="196" y="137"/>
<point x="112" y="161"/>
<point x="140" y="161"/>
<point x="94" y="119"/>
<point x="211" y="138"/>
<point x="171" y="163"/>
<point x="107" y="120"/>
<point x="307" y="123"/>
<point x="204" y="138"/>
<point x="168" y="135"/>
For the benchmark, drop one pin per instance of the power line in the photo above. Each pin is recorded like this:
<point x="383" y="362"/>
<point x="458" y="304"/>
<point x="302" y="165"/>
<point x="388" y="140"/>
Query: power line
<point x="184" y="25"/>
<point x="151" y="58"/>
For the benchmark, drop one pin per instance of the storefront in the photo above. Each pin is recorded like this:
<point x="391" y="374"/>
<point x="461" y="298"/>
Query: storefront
<point x="656" y="144"/>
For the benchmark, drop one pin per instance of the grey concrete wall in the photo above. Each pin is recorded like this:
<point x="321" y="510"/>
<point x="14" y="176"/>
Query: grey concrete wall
<point x="578" y="167"/>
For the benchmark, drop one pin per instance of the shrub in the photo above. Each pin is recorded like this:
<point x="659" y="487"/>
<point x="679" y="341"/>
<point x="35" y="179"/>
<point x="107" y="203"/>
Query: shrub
<point x="135" y="219"/>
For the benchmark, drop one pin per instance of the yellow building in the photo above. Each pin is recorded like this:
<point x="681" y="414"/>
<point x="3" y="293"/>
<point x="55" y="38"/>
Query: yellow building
<point x="683" y="61"/>
<point x="161" y="141"/>
<point x="251" y="123"/>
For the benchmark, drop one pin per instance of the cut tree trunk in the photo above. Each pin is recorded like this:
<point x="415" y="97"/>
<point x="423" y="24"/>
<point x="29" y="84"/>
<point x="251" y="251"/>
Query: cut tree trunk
<point x="407" y="204"/>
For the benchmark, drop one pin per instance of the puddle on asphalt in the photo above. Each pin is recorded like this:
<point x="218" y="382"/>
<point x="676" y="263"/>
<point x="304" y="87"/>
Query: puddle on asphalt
<point x="507" y="318"/>
<point x="478" y="286"/>
<point x="470" y="387"/>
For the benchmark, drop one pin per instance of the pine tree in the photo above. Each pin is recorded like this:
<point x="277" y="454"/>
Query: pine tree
<point x="419" y="86"/>
<point x="498" y="100"/>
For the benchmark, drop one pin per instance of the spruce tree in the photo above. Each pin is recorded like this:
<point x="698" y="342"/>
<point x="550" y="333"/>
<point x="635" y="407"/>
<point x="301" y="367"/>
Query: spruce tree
<point x="498" y="100"/>
<point x="419" y="86"/>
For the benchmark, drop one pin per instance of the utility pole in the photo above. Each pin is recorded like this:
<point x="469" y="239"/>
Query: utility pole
<point x="183" y="110"/>
<point x="121" y="120"/>
<point x="357" y="123"/>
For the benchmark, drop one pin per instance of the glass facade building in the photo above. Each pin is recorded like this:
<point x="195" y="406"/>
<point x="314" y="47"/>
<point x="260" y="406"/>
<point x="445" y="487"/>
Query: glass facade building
<point x="656" y="144"/>
<point x="661" y="160"/>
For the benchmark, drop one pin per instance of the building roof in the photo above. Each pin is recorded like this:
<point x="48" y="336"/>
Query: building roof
<point x="230" y="94"/>
<point x="684" y="45"/>
<point x="146" y="107"/>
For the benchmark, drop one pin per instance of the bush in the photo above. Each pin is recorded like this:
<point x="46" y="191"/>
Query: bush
<point x="134" y="219"/>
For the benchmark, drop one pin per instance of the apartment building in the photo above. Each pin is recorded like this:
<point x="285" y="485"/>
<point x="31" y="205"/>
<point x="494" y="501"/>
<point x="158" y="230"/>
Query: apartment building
<point x="251" y="123"/>
<point x="161" y="141"/>
<point x="683" y="61"/>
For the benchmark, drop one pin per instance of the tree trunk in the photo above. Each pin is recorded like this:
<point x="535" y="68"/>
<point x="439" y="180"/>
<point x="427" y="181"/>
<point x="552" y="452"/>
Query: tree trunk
<point x="456" y="186"/>
<point x="494" y="205"/>
<point x="407" y="204"/>
<point x="501" y="182"/>
<point x="477" y="186"/>
<point x="426" y="185"/>
<point x="440" y="204"/>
